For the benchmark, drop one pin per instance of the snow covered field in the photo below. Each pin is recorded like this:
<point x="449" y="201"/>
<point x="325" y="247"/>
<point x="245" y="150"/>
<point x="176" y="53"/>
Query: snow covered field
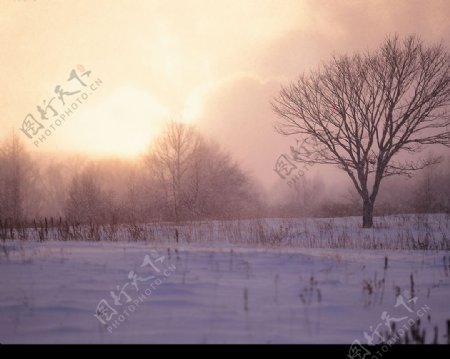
<point x="224" y="292"/>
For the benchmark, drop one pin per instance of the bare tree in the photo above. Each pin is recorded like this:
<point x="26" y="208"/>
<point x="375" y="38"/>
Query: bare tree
<point x="86" y="201"/>
<point x="305" y="196"/>
<point x="195" y="178"/>
<point x="215" y="186"/>
<point x="170" y="158"/>
<point x="430" y="191"/>
<point x="425" y="194"/>
<point x="360" y="112"/>
<point x="16" y="179"/>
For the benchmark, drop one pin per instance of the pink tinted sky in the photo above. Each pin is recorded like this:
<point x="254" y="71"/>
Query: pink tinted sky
<point x="216" y="64"/>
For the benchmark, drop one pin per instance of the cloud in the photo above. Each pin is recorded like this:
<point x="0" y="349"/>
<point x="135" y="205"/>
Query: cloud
<point x="336" y="27"/>
<point x="237" y="113"/>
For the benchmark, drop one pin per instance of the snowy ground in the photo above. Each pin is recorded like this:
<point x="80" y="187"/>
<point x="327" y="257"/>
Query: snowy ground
<point x="198" y="293"/>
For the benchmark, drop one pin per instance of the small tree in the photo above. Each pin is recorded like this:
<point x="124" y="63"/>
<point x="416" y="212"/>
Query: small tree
<point x="215" y="186"/>
<point x="86" y="201"/>
<point x="195" y="178"/>
<point x="360" y="112"/>
<point x="16" y="178"/>
<point x="170" y="158"/>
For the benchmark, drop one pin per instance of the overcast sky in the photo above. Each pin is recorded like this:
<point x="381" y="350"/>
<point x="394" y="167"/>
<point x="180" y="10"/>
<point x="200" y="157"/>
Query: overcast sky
<point x="216" y="64"/>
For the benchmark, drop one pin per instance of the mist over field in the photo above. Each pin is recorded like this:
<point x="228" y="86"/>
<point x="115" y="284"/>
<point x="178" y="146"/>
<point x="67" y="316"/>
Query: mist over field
<point x="225" y="172"/>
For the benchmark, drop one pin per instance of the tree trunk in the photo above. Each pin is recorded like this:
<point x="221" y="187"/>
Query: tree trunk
<point x="367" y="214"/>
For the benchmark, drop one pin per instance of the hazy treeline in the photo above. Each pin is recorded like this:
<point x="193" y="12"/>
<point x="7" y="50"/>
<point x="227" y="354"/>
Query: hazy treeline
<point x="428" y="191"/>
<point x="184" y="176"/>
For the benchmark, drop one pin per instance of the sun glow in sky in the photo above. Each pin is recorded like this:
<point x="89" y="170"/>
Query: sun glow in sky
<point x="122" y="123"/>
<point x="216" y="64"/>
<point x="156" y="59"/>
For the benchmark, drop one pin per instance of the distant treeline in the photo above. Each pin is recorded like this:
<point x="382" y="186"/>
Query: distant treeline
<point x="183" y="177"/>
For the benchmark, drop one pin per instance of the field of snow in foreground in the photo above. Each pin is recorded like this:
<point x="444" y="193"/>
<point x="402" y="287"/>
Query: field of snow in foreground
<point x="52" y="292"/>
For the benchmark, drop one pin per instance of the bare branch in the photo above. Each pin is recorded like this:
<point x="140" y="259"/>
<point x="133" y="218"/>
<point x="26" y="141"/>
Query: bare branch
<point x="359" y="112"/>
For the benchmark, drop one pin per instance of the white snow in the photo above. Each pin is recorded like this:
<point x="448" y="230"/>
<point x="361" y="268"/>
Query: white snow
<point x="226" y="291"/>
